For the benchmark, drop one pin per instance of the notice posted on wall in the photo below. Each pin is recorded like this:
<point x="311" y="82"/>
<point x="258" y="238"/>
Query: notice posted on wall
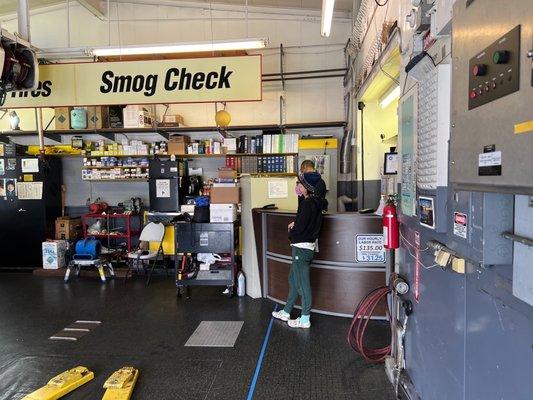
<point x="30" y="190"/>
<point x="30" y="165"/>
<point x="162" y="188"/>
<point x="278" y="189"/>
<point x="460" y="225"/>
<point x="369" y="249"/>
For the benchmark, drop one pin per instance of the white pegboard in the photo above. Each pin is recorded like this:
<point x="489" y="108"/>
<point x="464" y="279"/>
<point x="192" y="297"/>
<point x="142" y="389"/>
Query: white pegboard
<point x="433" y="128"/>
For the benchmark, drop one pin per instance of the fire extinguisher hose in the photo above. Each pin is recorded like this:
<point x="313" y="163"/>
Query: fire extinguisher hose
<point x="358" y="328"/>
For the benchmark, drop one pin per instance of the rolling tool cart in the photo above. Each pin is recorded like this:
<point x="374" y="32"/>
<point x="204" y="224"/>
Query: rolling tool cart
<point x="194" y="238"/>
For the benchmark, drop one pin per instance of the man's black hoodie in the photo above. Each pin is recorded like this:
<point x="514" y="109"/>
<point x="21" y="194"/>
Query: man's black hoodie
<point x="320" y="191"/>
<point x="308" y="220"/>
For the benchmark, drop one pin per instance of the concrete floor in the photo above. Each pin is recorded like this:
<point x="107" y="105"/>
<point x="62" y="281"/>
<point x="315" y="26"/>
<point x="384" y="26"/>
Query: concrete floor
<point x="148" y="327"/>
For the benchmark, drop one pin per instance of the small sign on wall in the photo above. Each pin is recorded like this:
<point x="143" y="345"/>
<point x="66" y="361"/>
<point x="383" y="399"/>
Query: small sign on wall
<point x="162" y="188"/>
<point x="369" y="249"/>
<point x="278" y="189"/>
<point x="460" y="225"/>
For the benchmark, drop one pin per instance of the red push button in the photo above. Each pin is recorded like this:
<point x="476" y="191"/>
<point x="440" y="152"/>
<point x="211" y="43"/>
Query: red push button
<point x="473" y="94"/>
<point x="479" y="70"/>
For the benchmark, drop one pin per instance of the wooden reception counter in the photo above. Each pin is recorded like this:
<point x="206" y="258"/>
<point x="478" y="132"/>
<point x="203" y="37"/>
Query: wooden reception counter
<point x="340" y="275"/>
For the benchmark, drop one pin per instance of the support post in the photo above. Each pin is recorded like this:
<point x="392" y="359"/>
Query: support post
<point x="39" y="114"/>
<point x="23" y="16"/>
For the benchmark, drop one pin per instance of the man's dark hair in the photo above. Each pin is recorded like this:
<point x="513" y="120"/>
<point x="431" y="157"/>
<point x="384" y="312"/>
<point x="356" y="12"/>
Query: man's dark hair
<point x="307" y="164"/>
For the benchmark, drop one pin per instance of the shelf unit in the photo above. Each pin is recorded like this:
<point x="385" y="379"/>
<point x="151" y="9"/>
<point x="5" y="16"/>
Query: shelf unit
<point x="109" y="133"/>
<point x="111" y="219"/>
<point x="191" y="155"/>
<point x="181" y="156"/>
<point x="114" y="167"/>
<point x="116" y="180"/>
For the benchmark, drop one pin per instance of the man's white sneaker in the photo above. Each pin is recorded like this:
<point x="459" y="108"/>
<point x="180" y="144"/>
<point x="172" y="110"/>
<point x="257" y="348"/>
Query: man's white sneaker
<point x="297" y="323"/>
<point x="282" y="315"/>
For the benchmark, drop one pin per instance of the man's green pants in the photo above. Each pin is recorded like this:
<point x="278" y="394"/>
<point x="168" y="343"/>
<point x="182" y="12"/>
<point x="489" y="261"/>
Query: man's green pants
<point x="299" y="282"/>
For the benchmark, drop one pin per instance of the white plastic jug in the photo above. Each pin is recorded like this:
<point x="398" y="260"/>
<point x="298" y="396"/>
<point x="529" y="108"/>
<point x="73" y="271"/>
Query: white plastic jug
<point x="241" y="284"/>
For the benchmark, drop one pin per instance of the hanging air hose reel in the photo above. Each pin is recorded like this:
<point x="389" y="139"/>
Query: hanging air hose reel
<point x="19" y="68"/>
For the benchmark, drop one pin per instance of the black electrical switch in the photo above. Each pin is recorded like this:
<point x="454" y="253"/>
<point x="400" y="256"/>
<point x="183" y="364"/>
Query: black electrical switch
<point x="501" y="57"/>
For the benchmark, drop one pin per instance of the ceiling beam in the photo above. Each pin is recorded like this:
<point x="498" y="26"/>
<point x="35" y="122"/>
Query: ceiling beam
<point x="95" y="7"/>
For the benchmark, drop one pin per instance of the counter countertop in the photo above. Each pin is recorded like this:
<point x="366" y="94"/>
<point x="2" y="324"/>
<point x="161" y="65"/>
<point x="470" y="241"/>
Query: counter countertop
<point x="327" y="215"/>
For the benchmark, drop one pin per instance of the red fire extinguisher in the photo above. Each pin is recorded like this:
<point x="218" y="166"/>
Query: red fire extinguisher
<point x="391" y="229"/>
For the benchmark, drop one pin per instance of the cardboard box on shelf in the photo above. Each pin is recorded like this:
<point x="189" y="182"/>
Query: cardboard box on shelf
<point x="137" y="117"/>
<point x="172" y="120"/>
<point x="223" y="212"/>
<point x="225" y="195"/>
<point x="115" y="117"/>
<point x="97" y="117"/>
<point x="67" y="228"/>
<point x="230" y="144"/>
<point x="178" y="144"/>
<point x="54" y="254"/>
<point x="227" y="173"/>
<point x="187" y="208"/>
<point x="62" y="118"/>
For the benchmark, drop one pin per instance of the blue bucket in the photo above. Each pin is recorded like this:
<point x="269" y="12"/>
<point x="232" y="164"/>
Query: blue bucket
<point x="87" y="249"/>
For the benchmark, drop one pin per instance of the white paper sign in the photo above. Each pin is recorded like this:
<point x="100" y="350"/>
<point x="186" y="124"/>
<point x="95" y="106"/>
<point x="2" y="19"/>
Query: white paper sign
<point x="162" y="188"/>
<point x="30" y="190"/>
<point x="460" y="224"/>
<point x="369" y="249"/>
<point x="491" y="159"/>
<point x="30" y="165"/>
<point x="278" y="189"/>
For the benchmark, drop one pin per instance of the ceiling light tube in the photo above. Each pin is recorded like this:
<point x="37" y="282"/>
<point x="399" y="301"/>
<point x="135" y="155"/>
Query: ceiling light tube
<point x="327" y="16"/>
<point x="390" y="95"/>
<point x="240" y="44"/>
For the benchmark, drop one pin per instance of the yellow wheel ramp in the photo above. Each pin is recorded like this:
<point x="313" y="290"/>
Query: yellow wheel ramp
<point x="62" y="384"/>
<point x="119" y="386"/>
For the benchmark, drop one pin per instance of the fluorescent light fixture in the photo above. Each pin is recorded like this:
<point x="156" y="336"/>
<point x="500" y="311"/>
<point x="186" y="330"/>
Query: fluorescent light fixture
<point x="327" y="16"/>
<point x="221" y="45"/>
<point x="390" y="95"/>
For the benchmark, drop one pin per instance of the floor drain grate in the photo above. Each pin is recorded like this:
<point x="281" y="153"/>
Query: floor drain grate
<point x="215" y="334"/>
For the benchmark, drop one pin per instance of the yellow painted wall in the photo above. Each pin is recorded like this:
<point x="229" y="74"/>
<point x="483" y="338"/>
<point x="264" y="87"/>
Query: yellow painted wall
<point x="259" y="187"/>
<point x="27" y="119"/>
<point x="376" y="121"/>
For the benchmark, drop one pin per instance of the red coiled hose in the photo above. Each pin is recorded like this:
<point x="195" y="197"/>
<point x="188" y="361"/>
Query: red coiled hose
<point x="356" y="333"/>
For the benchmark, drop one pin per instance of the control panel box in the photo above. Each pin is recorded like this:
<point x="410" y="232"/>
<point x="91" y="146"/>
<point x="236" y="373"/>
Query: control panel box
<point x="495" y="71"/>
<point x="476" y="222"/>
<point x="491" y="137"/>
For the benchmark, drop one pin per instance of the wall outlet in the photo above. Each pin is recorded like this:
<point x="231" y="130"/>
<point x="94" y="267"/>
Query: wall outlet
<point x="458" y="265"/>
<point x="442" y="258"/>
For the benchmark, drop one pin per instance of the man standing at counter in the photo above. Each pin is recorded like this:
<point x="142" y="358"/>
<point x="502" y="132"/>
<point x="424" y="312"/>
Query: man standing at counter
<point x="303" y="233"/>
<point x="320" y="189"/>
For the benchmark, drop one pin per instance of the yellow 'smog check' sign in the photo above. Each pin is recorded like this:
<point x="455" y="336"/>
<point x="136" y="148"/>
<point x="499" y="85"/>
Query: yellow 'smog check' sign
<point x="144" y="82"/>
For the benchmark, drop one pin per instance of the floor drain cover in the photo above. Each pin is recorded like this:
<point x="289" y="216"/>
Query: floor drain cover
<point x="215" y="334"/>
